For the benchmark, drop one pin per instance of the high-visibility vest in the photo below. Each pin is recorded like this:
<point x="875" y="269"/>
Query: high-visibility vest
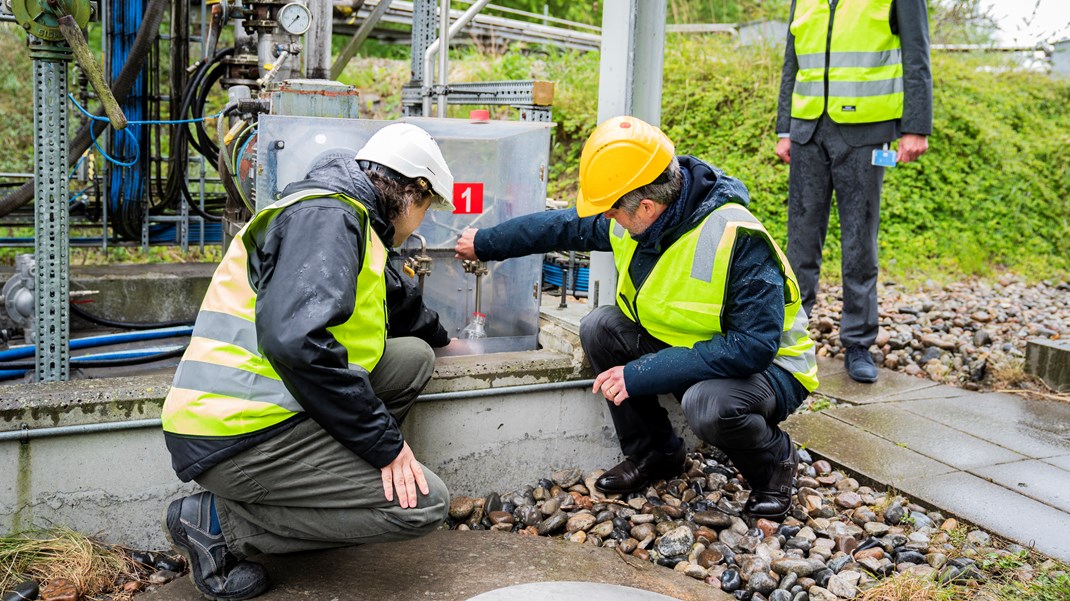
<point x="223" y="386"/>
<point x="682" y="300"/>
<point x="854" y="50"/>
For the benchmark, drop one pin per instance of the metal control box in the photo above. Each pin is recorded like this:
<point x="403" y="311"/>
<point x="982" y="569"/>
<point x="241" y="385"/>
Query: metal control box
<point x="500" y="171"/>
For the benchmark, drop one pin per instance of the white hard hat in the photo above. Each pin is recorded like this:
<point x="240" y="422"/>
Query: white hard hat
<point x="412" y="152"/>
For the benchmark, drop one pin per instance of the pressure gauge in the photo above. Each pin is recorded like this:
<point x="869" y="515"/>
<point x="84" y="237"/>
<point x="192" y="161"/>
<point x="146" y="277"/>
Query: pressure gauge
<point x="295" y="18"/>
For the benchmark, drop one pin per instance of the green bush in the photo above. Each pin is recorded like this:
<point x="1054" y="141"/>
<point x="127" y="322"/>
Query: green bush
<point x="991" y="194"/>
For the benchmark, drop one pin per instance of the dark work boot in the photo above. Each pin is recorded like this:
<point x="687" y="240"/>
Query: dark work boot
<point x="773" y="500"/>
<point x="215" y="571"/>
<point x="630" y="476"/>
<point x="860" y="365"/>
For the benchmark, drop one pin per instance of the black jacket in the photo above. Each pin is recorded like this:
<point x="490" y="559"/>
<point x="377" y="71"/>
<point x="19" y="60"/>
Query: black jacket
<point x="304" y="267"/>
<point x="909" y="19"/>
<point x="754" y="311"/>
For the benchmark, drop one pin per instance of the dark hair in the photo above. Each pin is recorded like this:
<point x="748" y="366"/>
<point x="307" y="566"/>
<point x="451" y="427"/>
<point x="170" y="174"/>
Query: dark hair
<point x="664" y="190"/>
<point x="397" y="192"/>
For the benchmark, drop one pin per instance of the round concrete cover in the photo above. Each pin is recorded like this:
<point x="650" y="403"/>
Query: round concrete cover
<point x="570" y="591"/>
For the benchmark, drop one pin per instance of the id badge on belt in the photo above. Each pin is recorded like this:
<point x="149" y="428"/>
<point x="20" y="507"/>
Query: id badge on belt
<point x="884" y="157"/>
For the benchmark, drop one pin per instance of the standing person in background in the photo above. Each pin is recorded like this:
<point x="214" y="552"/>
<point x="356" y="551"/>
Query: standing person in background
<point x="707" y="309"/>
<point x="856" y="77"/>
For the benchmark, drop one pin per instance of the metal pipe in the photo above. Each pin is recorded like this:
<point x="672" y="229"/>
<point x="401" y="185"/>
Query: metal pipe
<point x="27" y="434"/>
<point x="457" y="25"/>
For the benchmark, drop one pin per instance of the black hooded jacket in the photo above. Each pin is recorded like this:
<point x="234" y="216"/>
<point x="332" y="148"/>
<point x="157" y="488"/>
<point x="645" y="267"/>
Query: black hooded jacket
<point x="304" y="267"/>
<point x="754" y="311"/>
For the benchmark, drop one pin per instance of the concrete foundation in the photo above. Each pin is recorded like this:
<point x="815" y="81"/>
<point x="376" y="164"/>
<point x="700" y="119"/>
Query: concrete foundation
<point x="115" y="483"/>
<point x="135" y="293"/>
<point x="1049" y="360"/>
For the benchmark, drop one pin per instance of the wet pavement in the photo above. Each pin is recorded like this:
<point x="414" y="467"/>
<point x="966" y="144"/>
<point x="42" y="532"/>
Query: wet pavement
<point x="996" y="460"/>
<point x="457" y="566"/>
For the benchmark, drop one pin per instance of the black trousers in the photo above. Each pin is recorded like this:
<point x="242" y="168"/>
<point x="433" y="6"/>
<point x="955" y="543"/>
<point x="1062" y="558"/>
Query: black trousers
<point x="738" y="416"/>
<point x="825" y="164"/>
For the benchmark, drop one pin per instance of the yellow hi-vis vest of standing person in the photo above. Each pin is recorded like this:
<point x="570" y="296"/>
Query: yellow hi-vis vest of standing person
<point x="682" y="301"/>
<point x="854" y="47"/>
<point x="223" y="385"/>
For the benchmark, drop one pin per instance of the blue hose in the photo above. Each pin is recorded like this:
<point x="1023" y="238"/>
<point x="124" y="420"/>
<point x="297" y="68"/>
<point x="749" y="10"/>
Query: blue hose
<point x="7" y="374"/>
<point x="22" y="352"/>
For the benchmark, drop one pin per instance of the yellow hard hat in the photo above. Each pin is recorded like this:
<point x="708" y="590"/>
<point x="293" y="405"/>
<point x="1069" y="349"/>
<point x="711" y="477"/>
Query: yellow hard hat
<point x="622" y="154"/>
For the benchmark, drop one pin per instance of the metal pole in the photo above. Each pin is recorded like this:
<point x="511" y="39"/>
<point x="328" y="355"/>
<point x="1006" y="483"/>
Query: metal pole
<point x="51" y="248"/>
<point x="443" y="55"/>
<point x="358" y="38"/>
<point x="318" y="40"/>
<point x="440" y="43"/>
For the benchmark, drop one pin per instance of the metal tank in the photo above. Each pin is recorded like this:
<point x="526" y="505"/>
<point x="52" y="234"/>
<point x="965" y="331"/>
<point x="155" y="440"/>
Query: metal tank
<point x="500" y="170"/>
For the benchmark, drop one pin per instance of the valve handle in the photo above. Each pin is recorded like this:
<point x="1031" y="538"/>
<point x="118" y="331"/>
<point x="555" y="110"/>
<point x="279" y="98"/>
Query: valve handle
<point x="73" y="34"/>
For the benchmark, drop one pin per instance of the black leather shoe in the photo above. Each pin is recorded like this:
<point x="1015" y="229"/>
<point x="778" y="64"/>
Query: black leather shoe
<point x="860" y="364"/>
<point x="215" y="571"/>
<point x="629" y="476"/>
<point x="773" y="500"/>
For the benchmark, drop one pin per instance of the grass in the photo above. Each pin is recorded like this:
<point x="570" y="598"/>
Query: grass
<point x="94" y="568"/>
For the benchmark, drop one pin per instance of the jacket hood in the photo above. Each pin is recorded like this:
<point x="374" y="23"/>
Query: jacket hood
<point x="706" y="188"/>
<point x="340" y="173"/>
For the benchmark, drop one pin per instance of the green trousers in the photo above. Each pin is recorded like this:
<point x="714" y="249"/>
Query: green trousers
<point x="303" y="490"/>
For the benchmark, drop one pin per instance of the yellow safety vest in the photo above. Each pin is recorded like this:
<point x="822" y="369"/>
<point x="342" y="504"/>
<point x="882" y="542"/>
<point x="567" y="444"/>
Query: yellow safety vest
<point x="857" y="52"/>
<point x="682" y="301"/>
<point x="223" y="386"/>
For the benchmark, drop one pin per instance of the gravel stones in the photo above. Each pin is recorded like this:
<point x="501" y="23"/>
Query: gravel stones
<point x="958" y="334"/>
<point x="839" y="538"/>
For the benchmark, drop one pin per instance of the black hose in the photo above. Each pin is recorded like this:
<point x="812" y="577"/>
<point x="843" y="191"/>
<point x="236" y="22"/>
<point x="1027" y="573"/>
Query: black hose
<point x="97" y="363"/>
<point x="103" y="321"/>
<point x="120" y="88"/>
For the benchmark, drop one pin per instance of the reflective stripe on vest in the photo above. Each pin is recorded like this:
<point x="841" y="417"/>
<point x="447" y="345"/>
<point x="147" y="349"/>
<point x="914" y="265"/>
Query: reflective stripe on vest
<point x="681" y="302"/>
<point x="223" y="386"/>
<point x="861" y="62"/>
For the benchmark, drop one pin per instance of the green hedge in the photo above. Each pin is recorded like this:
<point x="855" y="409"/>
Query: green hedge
<point x="992" y="193"/>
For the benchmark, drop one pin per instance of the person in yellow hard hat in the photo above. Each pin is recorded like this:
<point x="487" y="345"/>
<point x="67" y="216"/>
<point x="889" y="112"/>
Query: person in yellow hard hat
<point x="707" y="309"/>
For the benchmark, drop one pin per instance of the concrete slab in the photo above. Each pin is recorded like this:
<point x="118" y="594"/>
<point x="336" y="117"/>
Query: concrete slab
<point x="569" y="591"/>
<point x="996" y="509"/>
<point x="840" y="386"/>
<point x="1063" y="462"/>
<point x="1036" y="429"/>
<point x="1035" y="479"/>
<point x="925" y="436"/>
<point x="871" y="456"/>
<point x="827" y="366"/>
<point x="1050" y="361"/>
<point x="455" y="566"/>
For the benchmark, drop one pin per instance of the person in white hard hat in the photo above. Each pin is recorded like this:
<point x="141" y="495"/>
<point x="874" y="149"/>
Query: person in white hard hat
<point x="285" y="407"/>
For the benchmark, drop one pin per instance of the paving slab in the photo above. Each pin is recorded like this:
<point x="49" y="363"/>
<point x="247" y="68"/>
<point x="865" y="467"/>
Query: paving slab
<point x="928" y="437"/>
<point x="828" y="367"/>
<point x="569" y="591"/>
<point x="455" y="566"/>
<point x="1036" y="429"/>
<point x="1035" y="479"/>
<point x="871" y="456"/>
<point x="996" y="509"/>
<point x="840" y="386"/>
<point x="1063" y="462"/>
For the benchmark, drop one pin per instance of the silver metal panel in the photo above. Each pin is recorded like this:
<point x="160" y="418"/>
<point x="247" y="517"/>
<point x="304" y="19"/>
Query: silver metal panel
<point x="508" y="158"/>
<point x="51" y="280"/>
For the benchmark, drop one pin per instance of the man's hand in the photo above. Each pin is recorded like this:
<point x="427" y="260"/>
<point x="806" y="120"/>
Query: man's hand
<point x="466" y="245"/>
<point x="783" y="149"/>
<point x="611" y="384"/>
<point x="912" y="146"/>
<point x="404" y="475"/>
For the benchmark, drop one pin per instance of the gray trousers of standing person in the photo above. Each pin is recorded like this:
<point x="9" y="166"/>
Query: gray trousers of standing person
<point x="827" y="162"/>
<point x="737" y="415"/>
<point x="303" y="490"/>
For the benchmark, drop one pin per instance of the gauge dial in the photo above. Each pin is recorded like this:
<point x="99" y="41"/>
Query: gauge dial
<point x="295" y="18"/>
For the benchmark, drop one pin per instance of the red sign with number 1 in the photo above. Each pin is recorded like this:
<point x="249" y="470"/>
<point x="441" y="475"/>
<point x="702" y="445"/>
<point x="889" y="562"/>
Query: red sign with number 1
<point x="467" y="198"/>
